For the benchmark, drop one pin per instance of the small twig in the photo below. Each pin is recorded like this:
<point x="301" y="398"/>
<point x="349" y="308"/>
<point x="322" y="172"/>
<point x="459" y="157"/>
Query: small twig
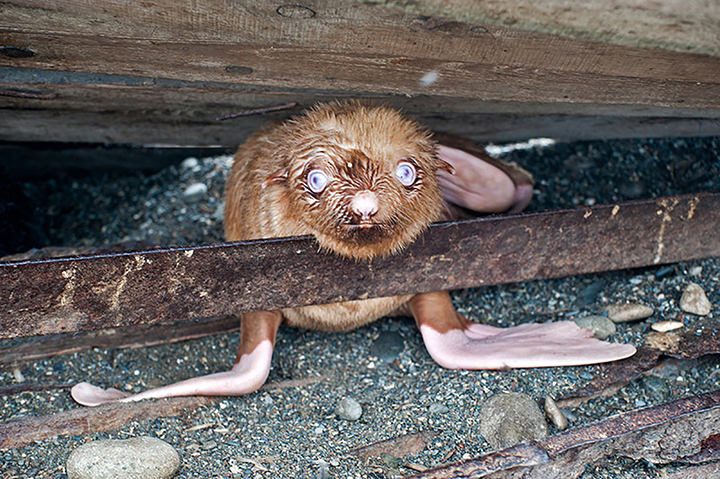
<point x="44" y="347"/>
<point x="21" y="432"/>
<point x="30" y="388"/>
<point x="680" y="423"/>
<point x="258" y="111"/>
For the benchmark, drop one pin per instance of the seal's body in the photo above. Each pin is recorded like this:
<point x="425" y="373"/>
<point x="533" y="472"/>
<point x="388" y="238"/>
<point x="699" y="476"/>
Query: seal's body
<point x="366" y="181"/>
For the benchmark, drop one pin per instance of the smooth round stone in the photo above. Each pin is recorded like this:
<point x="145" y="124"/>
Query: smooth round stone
<point x="437" y="408"/>
<point x="195" y="192"/>
<point x="510" y="418"/>
<point x="555" y="415"/>
<point x="349" y="409"/>
<point x="623" y="312"/>
<point x="695" y="301"/>
<point x="600" y="326"/>
<point x="665" y="326"/>
<point x="189" y="163"/>
<point x="136" y="458"/>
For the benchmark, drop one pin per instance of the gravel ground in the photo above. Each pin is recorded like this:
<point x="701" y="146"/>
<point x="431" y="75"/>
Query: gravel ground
<point x="294" y="432"/>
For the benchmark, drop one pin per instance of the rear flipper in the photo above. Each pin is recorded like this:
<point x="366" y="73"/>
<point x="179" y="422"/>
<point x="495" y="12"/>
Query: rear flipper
<point x="480" y="182"/>
<point x="456" y="343"/>
<point x="252" y="366"/>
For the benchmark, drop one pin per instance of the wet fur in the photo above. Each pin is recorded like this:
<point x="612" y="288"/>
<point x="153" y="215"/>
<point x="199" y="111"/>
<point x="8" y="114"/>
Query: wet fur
<point x="359" y="146"/>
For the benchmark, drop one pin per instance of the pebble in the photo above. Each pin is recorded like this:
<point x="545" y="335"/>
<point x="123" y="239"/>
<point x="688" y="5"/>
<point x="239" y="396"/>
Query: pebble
<point x="140" y="457"/>
<point x="695" y="301"/>
<point x="190" y="163"/>
<point x="388" y="346"/>
<point x="623" y="312"/>
<point x="510" y="418"/>
<point x="695" y="271"/>
<point x="195" y="192"/>
<point x="438" y="408"/>
<point x="349" y="409"/>
<point x="665" y="326"/>
<point x="555" y="415"/>
<point x="600" y="326"/>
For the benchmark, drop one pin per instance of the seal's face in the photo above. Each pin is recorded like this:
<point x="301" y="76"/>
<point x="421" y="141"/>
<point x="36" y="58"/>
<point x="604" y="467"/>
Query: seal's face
<point x="361" y="178"/>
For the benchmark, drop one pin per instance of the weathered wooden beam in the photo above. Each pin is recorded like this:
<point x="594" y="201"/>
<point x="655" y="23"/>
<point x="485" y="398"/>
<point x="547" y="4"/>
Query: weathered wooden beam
<point x="121" y="111"/>
<point x="102" y="291"/>
<point x="122" y="59"/>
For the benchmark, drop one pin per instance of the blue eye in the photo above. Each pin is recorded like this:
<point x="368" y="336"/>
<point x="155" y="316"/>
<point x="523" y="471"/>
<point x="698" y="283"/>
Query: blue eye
<point x="405" y="172"/>
<point x="317" y="180"/>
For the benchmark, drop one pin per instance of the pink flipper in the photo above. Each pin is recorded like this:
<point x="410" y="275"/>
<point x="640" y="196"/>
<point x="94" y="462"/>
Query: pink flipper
<point x="480" y="182"/>
<point x="257" y="339"/>
<point x="456" y="343"/>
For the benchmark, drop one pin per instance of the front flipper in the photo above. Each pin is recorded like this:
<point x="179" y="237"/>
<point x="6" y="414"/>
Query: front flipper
<point x="456" y="343"/>
<point x="257" y="339"/>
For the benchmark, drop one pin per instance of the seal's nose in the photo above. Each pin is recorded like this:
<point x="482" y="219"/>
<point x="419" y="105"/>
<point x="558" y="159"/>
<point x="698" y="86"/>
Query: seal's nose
<point x="364" y="204"/>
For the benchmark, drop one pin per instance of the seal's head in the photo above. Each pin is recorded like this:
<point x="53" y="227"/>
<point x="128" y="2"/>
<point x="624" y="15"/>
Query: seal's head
<point x="362" y="178"/>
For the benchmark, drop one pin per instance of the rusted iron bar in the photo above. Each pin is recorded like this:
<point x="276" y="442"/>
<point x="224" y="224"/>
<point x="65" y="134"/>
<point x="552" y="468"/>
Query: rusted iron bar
<point x="164" y="285"/>
<point x="661" y="434"/>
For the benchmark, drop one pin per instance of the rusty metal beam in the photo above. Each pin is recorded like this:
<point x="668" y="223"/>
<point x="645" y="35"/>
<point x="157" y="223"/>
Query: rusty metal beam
<point x="164" y="285"/>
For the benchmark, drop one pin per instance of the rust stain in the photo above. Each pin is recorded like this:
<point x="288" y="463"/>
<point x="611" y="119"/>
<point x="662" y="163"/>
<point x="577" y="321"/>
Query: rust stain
<point x="666" y="208"/>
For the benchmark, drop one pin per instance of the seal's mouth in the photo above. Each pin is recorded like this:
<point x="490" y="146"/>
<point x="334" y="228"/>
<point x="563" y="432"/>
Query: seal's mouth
<point x="363" y="226"/>
<point x="365" y="232"/>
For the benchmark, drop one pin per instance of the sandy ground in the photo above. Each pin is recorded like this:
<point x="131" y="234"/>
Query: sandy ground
<point x="294" y="432"/>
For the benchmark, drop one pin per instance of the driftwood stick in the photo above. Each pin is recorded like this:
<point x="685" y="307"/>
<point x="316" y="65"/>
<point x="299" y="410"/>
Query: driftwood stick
<point x="675" y="344"/>
<point x="44" y="347"/>
<point x="661" y="434"/>
<point x="21" y="432"/>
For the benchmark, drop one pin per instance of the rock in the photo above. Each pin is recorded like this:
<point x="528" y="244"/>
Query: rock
<point x="388" y="346"/>
<point x="553" y="412"/>
<point x="695" y="271"/>
<point x="623" y="312"/>
<point x="195" y="192"/>
<point x="510" y="418"/>
<point x="390" y="461"/>
<point x="437" y="408"/>
<point x="695" y="301"/>
<point x="137" y="458"/>
<point x="349" y="409"/>
<point x="190" y="163"/>
<point x="600" y="326"/>
<point x="665" y="326"/>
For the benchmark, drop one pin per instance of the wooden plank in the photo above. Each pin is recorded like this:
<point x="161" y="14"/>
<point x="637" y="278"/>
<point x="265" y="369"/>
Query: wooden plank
<point x="116" y="72"/>
<point x="352" y="47"/>
<point x="181" y="114"/>
<point x="686" y="26"/>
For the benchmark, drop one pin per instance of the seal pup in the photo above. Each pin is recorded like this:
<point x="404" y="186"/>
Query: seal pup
<point x="366" y="181"/>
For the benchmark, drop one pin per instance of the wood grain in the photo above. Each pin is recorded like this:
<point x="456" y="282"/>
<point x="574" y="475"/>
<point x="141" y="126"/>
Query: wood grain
<point x="182" y="63"/>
